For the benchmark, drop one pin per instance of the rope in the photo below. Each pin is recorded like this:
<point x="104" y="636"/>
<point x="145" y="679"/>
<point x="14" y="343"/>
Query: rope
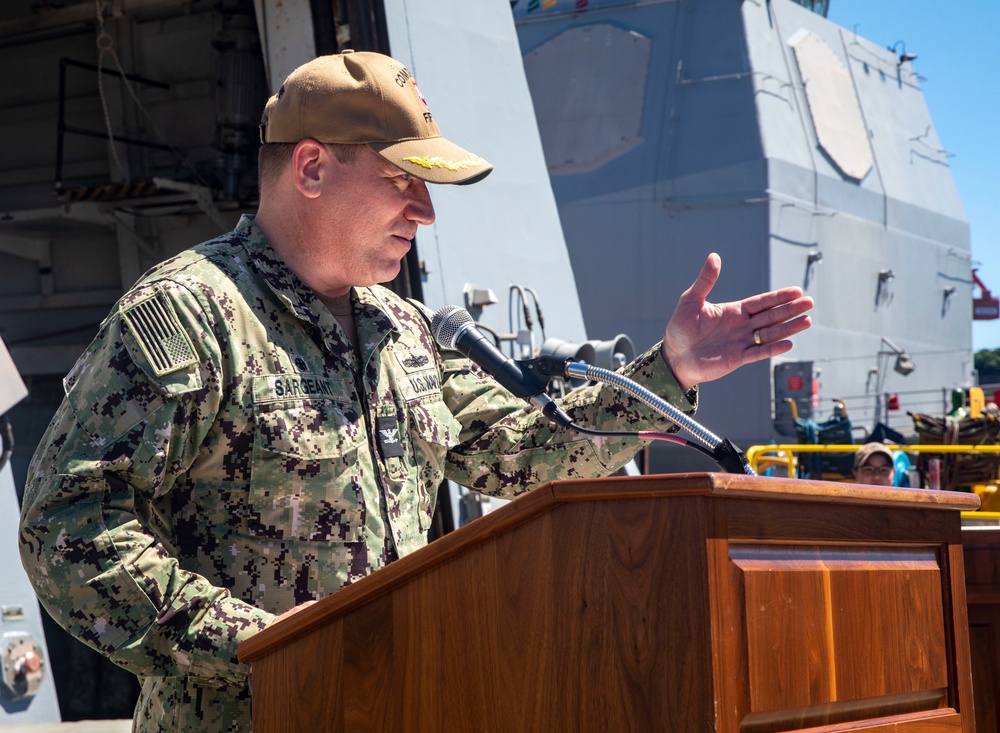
<point x="106" y="45"/>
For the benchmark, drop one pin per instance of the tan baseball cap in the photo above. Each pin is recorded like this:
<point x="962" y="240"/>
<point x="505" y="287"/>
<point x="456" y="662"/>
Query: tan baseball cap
<point x="868" y="450"/>
<point x="372" y="99"/>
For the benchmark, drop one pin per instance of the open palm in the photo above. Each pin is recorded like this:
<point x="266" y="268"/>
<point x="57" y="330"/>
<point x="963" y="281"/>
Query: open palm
<point x="705" y="341"/>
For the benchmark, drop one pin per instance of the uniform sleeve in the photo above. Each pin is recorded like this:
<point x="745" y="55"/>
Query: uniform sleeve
<point x="98" y="553"/>
<point x="506" y="448"/>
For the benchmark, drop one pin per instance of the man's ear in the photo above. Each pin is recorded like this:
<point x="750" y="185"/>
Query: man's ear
<point x="310" y="163"/>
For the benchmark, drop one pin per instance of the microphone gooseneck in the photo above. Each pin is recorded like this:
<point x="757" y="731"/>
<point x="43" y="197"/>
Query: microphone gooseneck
<point x="580" y="370"/>
<point x="723" y="451"/>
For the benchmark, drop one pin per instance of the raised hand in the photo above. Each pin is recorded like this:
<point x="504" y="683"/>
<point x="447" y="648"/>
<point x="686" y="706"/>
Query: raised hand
<point x="705" y="341"/>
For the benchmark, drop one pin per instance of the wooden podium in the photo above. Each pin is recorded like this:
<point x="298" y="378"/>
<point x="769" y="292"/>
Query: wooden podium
<point x="684" y="603"/>
<point x="982" y="586"/>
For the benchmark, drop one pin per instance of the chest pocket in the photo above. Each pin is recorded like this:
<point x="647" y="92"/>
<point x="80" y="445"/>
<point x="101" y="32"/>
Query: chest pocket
<point x="433" y="431"/>
<point x="306" y="476"/>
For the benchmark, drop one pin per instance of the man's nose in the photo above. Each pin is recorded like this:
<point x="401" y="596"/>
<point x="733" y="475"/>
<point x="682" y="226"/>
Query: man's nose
<point x="420" y="208"/>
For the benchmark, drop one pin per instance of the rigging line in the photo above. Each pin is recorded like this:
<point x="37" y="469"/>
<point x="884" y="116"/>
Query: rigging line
<point x="152" y="123"/>
<point x="109" y="47"/>
<point x="104" y="41"/>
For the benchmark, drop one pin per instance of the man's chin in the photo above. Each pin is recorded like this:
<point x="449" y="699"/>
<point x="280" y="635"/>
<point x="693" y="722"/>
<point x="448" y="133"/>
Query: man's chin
<point x="388" y="274"/>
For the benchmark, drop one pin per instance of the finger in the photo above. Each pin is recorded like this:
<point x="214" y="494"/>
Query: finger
<point x="294" y="610"/>
<point x="757" y="304"/>
<point x="781" y="313"/>
<point x="757" y="353"/>
<point x="707" y="278"/>
<point x="770" y="335"/>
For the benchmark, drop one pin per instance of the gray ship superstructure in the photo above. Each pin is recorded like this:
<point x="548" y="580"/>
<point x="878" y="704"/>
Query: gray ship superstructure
<point x="801" y="152"/>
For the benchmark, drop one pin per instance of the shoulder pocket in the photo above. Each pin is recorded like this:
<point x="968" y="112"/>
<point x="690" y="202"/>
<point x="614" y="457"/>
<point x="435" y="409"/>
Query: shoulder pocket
<point x="107" y="392"/>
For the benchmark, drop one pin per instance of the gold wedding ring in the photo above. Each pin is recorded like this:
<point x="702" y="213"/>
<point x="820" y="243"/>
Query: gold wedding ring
<point x="756" y="337"/>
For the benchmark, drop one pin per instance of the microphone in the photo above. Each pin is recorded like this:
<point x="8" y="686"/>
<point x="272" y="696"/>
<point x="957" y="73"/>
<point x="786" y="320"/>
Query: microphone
<point x="454" y="329"/>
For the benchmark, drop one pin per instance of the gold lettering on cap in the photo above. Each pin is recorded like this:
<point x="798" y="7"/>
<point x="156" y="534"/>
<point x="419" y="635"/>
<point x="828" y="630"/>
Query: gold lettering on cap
<point x="453" y="165"/>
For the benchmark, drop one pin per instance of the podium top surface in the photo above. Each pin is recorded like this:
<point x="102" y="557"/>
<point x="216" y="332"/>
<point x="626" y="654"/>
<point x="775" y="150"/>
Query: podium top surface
<point x="548" y="496"/>
<point x="729" y="485"/>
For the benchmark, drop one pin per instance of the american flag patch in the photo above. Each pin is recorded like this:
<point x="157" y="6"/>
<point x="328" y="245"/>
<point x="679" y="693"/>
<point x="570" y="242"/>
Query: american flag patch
<point x="155" y="326"/>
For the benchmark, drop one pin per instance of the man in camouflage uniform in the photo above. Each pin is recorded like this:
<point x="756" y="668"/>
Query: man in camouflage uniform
<point x="258" y="424"/>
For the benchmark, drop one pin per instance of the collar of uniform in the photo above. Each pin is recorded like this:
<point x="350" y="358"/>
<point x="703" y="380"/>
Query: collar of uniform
<point x="299" y="298"/>
<point x="373" y="319"/>
<point x="371" y="297"/>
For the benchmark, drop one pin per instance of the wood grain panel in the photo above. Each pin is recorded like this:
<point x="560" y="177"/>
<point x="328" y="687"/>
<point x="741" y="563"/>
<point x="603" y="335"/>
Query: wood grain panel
<point x="841" y="523"/>
<point x="368" y="643"/>
<point x="827" y="627"/>
<point x="657" y="573"/>
<point x="582" y="637"/>
<point x="982" y="565"/>
<point x="458" y="611"/>
<point x="308" y="669"/>
<point x="527" y="662"/>
<point x="984" y="634"/>
<point x="938" y="721"/>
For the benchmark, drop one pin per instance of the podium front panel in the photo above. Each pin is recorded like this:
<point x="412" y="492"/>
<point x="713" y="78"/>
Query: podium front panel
<point x="841" y="619"/>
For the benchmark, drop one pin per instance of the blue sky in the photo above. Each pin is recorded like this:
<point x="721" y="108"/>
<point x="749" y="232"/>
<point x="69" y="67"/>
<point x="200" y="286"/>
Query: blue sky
<point x="954" y="43"/>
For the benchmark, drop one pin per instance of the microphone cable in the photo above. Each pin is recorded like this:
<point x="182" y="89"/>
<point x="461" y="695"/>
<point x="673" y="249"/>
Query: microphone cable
<point x="492" y="332"/>
<point x="538" y="310"/>
<point x="643" y="435"/>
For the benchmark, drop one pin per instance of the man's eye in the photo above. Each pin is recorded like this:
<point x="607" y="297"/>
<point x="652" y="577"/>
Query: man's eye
<point x="405" y="177"/>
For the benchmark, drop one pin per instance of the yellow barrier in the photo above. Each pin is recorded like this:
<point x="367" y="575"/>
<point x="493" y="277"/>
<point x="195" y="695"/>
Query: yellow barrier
<point x="783" y="455"/>
<point x="981" y="518"/>
<point x="756" y="453"/>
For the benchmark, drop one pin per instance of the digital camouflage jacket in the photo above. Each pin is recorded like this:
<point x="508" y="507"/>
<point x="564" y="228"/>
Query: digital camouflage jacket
<point x="223" y="454"/>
